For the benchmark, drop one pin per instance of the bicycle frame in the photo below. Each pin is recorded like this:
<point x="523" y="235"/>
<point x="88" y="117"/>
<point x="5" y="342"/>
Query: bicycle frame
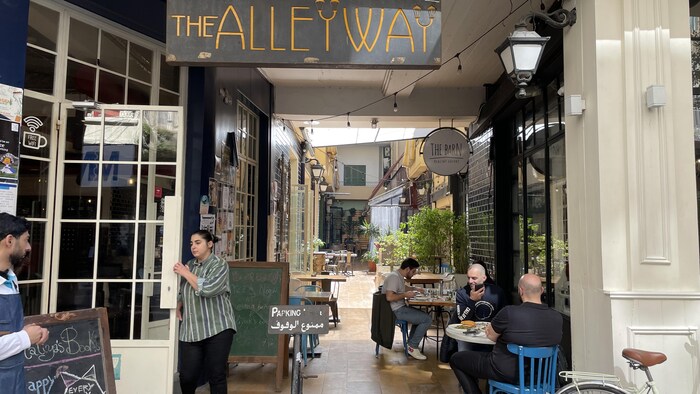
<point x="606" y="380"/>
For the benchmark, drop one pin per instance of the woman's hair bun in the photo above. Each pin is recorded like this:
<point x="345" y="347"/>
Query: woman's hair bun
<point x="214" y="238"/>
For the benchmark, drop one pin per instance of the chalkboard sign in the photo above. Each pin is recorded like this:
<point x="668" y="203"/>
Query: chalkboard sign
<point x="77" y="358"/>
<point x="255" y="286"/>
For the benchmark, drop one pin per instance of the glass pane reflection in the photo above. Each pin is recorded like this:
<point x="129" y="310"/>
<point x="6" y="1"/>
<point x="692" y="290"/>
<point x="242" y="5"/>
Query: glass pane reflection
<point x="116" y="297"/>
<point x="80" y="82"/>
<point x="157" y="182"/>
<point x="118" y="191"/>
<point x="77" y="253"/>
<point x="150" y="321"/>
<point x="39" y="71"/>
<point x="33" y="188"/>
<point x="116" y="251"/>
<point x="72" y="296"/>
<point x="30" y="293"/>
<point x="149" y="254"/>
<point x="33" y="267"/>
<point x="160" y="132"/>
<point x="80" y="191"/>
<point x="43" y="26"/>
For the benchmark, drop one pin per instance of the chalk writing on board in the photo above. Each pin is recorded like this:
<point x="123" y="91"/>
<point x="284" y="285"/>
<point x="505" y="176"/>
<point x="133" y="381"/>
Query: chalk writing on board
<point x="66" y="344"/>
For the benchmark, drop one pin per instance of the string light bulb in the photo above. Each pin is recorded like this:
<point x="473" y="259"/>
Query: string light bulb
<point x="459" y="67"/>
<point x="348" y="119"/>
<point x="396" y="106"/>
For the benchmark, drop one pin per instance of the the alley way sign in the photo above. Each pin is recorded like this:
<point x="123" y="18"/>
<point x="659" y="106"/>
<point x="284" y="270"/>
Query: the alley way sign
<point x="305" y="33"/>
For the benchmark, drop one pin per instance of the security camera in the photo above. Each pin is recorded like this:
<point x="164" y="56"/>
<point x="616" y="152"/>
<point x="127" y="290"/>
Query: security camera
<point x="560" y="91"/>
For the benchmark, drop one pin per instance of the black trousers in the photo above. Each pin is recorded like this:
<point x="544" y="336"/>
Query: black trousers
<point x="470" y="365"/>
<point x="209" y="356"/>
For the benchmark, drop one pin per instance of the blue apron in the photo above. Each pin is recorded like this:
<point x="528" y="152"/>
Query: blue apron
<point x="12" y="368"/>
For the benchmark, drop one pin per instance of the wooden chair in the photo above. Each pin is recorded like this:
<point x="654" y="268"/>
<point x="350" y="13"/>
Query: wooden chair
<point x="537" y="374"/>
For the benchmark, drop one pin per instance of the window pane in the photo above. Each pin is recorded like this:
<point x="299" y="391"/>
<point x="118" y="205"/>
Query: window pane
<point x="72" y="296"/>
<point x="31" y="298"/>
<point x="559" y="219"/>
<point x="36" y="128"/>
<point x="118" y="191"/>
<point x="116" y="251"/>
<point x="33" y="189"/>
<point x="82" y="42"/>
<point x="155" y="324"/>
<point x="82" y="134"/>
<point x="536" y="224"/>
<point x="160" y="132"/>
<point x="138" y="94"/>
<point x="116" y="297"/>
<point x="149" y="254"/>
<point x="80" y="191"/>
<point x="43" y="26"/>
<point x="517" y="223"/>
<point x="156" y="183"/>
<point x="169" y="76"/>
<point x="121" y="135"/>
<point x="80" y="82"/>
<point x="39" y="71"/>
<point x="76" y="258"/>
<point x="167" y="98"/>
<point x="354" y="175"/>
<point x="140" y="63"/>
<point x="34" y="268"/>
<point x="113" y="53"/>
<point x="112" y="88"/>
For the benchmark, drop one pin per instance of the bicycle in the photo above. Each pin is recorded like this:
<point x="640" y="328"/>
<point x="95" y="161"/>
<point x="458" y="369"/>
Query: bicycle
<point x="590" y="383"/>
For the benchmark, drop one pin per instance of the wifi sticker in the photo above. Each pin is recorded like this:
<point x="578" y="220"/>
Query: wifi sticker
<point x="31" y="139"/>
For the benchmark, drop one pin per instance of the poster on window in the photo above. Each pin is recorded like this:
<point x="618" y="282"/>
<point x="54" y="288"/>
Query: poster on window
<point x="11" y="103"/>
<point x="9" y="151"/>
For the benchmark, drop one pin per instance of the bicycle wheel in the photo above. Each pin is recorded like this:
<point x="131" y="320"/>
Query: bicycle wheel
<point x="590" y="388"/>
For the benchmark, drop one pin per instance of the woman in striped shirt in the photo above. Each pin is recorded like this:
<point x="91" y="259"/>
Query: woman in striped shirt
<point x="208" y="323"/>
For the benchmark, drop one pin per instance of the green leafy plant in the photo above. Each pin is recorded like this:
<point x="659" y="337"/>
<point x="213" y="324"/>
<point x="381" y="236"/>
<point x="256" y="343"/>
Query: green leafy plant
<point x="316" y="243"/>
<point x="395" y="246"/>
<point x="369" y="229"/>
<point x="460" y="244"/>
<point x="430" y="232"/>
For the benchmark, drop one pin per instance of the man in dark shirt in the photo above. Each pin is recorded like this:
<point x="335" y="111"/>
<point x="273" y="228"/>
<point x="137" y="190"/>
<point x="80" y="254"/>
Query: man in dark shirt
<point x="478" y="301"/>
<point x="530" y="324"/>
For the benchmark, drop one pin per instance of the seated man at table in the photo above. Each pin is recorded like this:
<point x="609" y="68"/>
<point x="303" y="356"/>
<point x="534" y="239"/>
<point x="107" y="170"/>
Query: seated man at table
<point x="528" y="324"/>
<point x="396" y="293"/>
<point x="478" y="301"/>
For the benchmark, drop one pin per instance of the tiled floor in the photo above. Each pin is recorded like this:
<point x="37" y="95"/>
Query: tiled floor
<point x="347" y="363"/>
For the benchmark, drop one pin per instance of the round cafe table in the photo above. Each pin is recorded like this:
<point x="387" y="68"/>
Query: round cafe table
<point x="459" y="334"/>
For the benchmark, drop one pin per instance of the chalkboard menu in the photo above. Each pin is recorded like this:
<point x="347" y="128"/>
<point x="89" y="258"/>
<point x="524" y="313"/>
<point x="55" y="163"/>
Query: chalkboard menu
<point x="77" y="358"/>
<point x="255" y="286"/>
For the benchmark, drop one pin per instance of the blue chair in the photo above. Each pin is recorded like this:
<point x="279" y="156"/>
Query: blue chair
<point x="403" y="325"/>
<point x="541" y="368"/>
<point x="305" y="343"/>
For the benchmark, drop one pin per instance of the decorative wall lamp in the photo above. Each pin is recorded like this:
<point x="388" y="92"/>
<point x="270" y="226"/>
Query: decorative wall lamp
<point x="521" y="52"/>
<point x="316" y="169"/>
<point x="323" y="185"/>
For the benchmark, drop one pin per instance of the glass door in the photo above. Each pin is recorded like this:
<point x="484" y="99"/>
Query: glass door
<point x="116" y="166"/>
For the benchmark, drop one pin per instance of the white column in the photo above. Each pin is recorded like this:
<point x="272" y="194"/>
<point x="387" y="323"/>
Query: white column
<point x="633" y="227"/>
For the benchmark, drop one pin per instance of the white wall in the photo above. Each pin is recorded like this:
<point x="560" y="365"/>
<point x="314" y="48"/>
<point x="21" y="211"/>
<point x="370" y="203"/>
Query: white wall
<point x="368" y="155"/>
<point x="635" y="277"/>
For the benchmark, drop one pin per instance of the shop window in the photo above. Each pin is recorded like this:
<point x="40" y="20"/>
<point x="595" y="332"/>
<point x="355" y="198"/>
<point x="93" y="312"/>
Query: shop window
<point x="113" y="53"/>
<point x="43" y="27"/>
<point x="82" y="42"/>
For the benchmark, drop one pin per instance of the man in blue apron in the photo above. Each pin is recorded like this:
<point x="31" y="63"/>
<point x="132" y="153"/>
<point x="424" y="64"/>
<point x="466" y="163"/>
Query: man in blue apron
<point x="14" y="248"/>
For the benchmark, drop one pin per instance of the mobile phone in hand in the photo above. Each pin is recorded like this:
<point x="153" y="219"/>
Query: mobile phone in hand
<point x="478" y="287"/>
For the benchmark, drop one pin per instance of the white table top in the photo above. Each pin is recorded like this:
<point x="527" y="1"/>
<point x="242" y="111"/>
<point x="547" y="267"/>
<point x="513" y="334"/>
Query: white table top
<point x="458" y="334"/>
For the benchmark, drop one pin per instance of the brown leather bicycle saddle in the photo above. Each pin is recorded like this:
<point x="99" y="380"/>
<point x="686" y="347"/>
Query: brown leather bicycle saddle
<point x="643" y="357"/>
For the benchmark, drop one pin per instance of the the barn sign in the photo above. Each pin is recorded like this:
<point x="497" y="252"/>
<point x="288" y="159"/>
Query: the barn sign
<point x="305" y="33"/>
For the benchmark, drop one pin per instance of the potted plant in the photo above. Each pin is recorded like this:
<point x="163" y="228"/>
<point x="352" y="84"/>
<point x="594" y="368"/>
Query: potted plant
<point x="430" y="232"/>
<point x="395" y="246"/>
<point x="371" y="258"/>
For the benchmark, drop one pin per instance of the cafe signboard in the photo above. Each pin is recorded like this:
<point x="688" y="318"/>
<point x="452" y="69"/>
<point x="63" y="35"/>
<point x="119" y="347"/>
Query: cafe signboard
<point x="446" y="151"/>
<point x="305" y="33"/>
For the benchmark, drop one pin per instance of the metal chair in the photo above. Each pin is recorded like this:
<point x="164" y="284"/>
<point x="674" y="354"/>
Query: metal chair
<point x="538" y="378"/>
<point x="403" y="325"/>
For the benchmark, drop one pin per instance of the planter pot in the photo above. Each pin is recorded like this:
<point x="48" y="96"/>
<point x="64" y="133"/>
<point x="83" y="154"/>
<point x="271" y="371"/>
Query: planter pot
<point x="371" y="266"/>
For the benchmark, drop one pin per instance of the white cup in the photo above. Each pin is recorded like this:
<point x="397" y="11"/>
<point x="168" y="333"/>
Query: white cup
<point x="33" y="140"/>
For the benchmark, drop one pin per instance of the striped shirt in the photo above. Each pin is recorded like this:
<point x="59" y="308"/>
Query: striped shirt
<point x="207" y="311"/>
